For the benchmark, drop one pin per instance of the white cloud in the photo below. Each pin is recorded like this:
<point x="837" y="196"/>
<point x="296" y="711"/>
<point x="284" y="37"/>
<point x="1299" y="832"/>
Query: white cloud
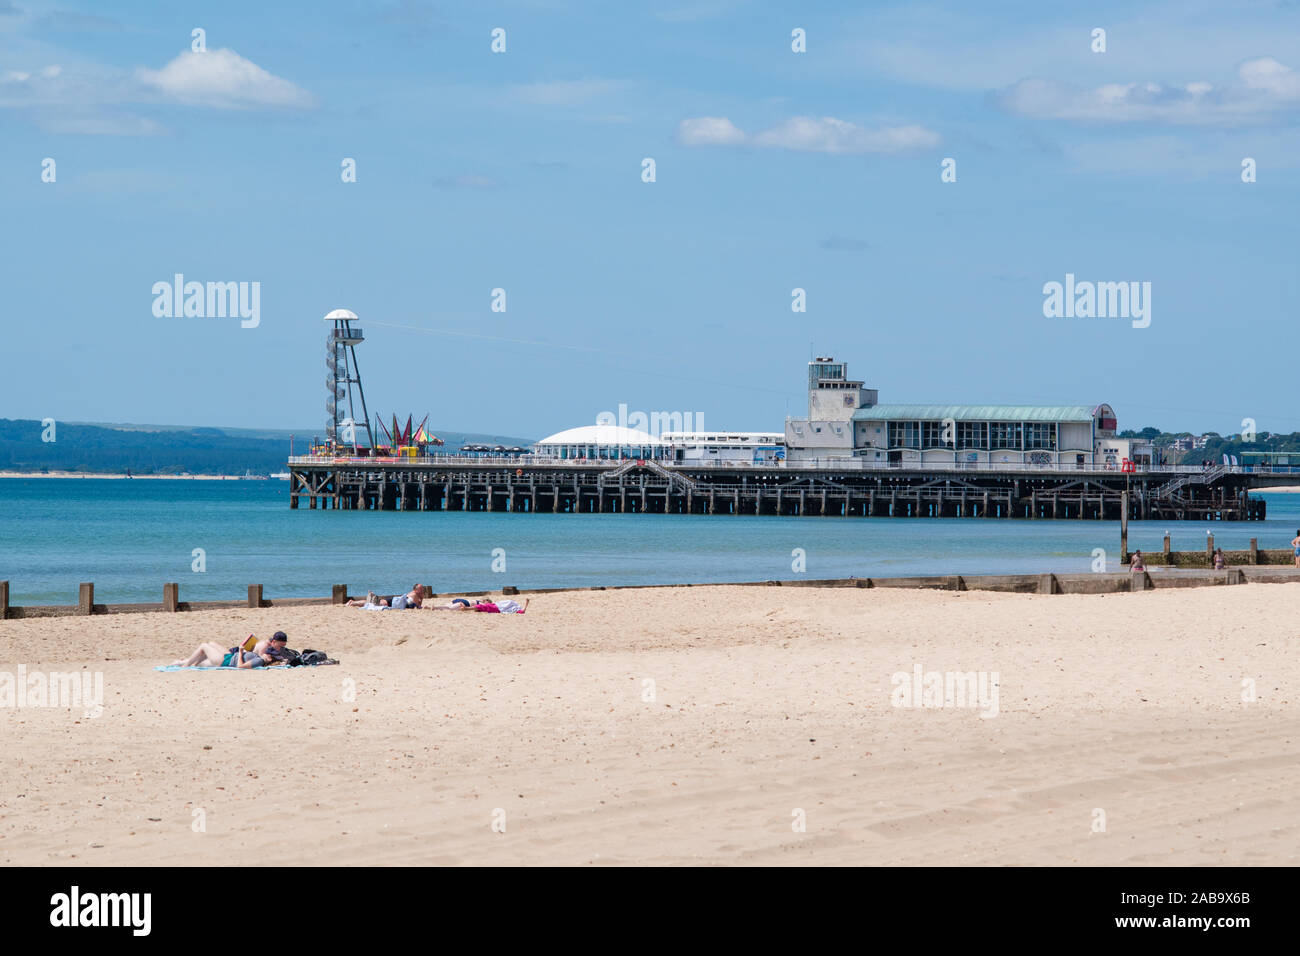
<point x="709" y="131"/>
<point x="809" y="134"/>
<point x="1263" y="88"/>
<point x="222" y="79"/>
<point x="86" y="98"/>
<point x="827" y="134"/>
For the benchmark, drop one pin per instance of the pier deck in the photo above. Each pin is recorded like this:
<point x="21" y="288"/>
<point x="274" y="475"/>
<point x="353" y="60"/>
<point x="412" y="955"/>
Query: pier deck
<point x="834" y="488"/>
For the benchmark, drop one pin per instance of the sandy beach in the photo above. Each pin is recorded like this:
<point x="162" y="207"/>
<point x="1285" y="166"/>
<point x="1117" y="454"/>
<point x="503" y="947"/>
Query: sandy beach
<point x="674" y="726"/>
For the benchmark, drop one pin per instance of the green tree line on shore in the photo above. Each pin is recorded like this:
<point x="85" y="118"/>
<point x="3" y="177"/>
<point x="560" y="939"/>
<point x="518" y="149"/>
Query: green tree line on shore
<point x="162" y="450"/>
<point x="1216" y="445"/>
<point x="94" y="448"/>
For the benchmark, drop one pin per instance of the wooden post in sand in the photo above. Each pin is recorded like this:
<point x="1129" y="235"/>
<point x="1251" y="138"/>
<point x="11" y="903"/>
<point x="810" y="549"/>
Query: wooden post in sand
<point x="4" y="600"/>
<point x="255" y="595"/>
<point x="1123" y="528"/>
<point x="340" y="595"/>
<point x="171" y="597"/>
<point x="86" y="599"/>
<point x="1254" y="550"/>
<point x="1209" y="549"/>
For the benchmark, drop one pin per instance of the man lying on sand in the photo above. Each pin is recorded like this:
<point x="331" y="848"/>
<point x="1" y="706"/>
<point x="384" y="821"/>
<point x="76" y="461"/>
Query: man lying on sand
<point x="212" y="654"/>
<point x="413" y="598"/>
<point x="264" y="653"/>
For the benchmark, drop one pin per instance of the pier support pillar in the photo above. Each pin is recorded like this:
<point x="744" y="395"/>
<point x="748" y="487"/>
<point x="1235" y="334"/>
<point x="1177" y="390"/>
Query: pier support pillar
<point x="86" y="599"/>
<point x="171" y="597"/>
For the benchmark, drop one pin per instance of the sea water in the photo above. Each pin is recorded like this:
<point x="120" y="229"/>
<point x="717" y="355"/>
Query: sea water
<point x="215" y="538"/>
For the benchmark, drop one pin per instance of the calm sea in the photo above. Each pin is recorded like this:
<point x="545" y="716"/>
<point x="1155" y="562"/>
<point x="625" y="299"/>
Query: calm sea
<point x="129" y="537"/>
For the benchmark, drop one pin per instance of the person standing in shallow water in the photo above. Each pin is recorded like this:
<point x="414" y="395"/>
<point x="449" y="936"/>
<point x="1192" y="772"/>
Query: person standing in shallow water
<point x="1295" y="547"/>
<point x="1136" y="563"/>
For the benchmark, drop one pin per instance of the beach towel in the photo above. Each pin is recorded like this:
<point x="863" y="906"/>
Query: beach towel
<point x="249" y="670"/>
<point x="510" y="607"/>
<point x="241" y="670"/>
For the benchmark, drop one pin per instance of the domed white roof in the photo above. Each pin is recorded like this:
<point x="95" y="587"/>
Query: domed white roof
<point x="340" y="314"/>
<point x="613" y="435"/>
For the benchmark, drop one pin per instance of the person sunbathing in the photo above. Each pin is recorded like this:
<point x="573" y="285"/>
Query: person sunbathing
<point x="212" y="654"/>
<point x="485" y="607"/>
<point x="413" y="598"/>
<point x="455" y="604"/>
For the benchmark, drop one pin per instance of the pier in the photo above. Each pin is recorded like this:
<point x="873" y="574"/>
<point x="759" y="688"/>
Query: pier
<point x="844" y="488"/>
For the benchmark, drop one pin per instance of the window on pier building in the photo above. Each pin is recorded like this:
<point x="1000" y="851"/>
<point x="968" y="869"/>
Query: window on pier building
<point x="972" y="434"/>
<point x="932" y="435"/>
<point x="1040" y="435"/>
<point x="904" y="435"/>
<point x="1004" y="435"/>
<point x="819" y="371"/>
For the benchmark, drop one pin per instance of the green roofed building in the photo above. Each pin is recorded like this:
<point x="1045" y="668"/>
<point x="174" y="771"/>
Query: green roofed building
<point x="845" y="419"/>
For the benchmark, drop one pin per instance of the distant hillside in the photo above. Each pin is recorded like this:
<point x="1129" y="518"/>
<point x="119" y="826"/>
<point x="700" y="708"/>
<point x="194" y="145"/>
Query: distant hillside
<point x="169" y="449"/>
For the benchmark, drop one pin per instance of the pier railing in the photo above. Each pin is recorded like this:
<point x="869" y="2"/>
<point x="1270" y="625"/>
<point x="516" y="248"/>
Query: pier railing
<point x="812" y="464"/>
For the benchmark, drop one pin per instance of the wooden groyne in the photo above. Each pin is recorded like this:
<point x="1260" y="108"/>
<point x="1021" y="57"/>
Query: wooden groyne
<point x="839" y="489"/>
<point x="1250" y="557"/>
<point x="1031" y="583"/>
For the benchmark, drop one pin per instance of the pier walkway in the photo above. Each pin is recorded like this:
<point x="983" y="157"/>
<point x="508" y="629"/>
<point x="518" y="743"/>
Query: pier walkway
<point x="832" y="487"/>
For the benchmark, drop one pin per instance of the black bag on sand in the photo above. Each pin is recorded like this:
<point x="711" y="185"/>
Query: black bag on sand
<point x="310" y="658"/>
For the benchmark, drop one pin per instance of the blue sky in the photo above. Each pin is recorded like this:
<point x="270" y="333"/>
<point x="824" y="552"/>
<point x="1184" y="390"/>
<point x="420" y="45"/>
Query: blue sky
<point x="775" y="170"/>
